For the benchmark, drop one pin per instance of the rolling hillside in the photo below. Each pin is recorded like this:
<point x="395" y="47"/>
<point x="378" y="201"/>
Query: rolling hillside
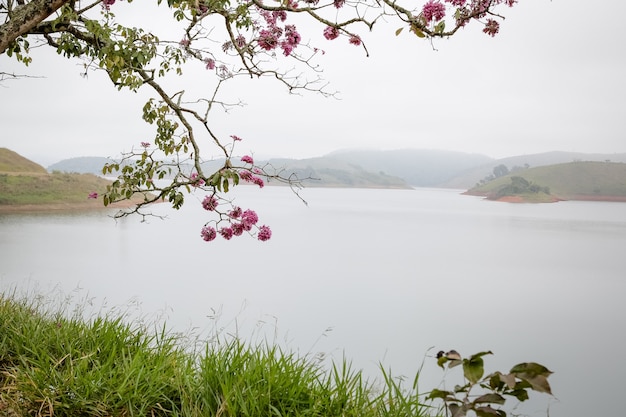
<point x="470" y="177"/>
<point x="25" y="185"/>
<point x="582" y="180"/>
<point x="13" y="162"/>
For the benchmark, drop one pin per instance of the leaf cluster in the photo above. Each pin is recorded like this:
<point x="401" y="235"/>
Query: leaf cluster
<point x="493" y="388"/>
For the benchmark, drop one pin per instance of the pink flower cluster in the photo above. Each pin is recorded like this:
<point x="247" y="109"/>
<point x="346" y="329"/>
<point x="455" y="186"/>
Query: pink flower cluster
<point x="196" y="180"/>
<point x="247" y="159"/>
<point x="274" y="36"/>
<point x="248" y="176"/>
<point x="458" y="3"/>
<point x="433" y="11"/>
<point x="106" y="4"/>
<point x="331" y="32"/>
<point x="210" y="203"/>
<point x="492" y="27"/>
<point x="240" y="221"/>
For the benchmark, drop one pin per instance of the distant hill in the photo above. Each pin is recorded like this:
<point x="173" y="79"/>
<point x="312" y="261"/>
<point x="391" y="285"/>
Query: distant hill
<point x="81" y="165"/>
<point x="372" y="168"/>
<point x="581" y="180"/>
<point x="13" y="162"/>
<point x="334" y="172"/>
<point x="315" y="172"/>
<point x="470" y="177"/>
<point x="418" y="167"/>
<point x="25" y="185"/>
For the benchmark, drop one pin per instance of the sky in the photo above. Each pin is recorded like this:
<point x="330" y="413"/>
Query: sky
<point x="552" y="79"/>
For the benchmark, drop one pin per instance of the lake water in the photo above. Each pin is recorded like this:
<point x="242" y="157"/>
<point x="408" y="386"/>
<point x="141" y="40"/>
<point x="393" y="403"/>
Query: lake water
<point x="377" y="276"/>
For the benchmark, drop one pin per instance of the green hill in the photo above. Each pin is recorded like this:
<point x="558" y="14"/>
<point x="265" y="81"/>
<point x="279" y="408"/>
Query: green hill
<point x="13" y="162"/>
<point x="25" y="185"/>
<point x="581" y="180"/>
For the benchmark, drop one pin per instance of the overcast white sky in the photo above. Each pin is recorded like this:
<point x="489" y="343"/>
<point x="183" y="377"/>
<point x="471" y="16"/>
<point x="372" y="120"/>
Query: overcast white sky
<point x="553" y="79"/>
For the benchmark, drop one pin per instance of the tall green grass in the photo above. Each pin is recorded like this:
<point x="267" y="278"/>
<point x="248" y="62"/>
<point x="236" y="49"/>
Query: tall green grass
<point x="58" y="364"/>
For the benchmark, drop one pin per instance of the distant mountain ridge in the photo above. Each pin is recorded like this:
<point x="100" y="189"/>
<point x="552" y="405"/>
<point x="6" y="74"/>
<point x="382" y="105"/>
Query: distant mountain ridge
<point x="396" y="168"/>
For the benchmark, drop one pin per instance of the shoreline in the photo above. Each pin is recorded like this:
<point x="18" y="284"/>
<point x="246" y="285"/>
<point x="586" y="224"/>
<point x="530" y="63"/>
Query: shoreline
<point x="91" y="205"/>
<point x="518" y="199"/>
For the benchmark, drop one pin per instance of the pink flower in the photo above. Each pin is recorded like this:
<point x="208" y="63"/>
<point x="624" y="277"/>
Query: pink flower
<point x="339" y="3"/>
<point x="145" y="144"/>
<point x="210" y="63"/>
<point x="209" y="203"/>
<point x="291" y="35"/>
<point x="249" y="217"/>
<point x="248" y="177"/>
<point x="237" y="229"/>
<point x="264" y="233"/>
<point x="240" y="41"/>
<point x="208" y="233"/>
<point x="184" y="42"/>
<point x="258" y="181"/>
<point x="459" y="3"/>
<point x="226" y="232"/>
<point x="491" y="27"/>
<point x="197" y="182"/>
<point x="93" y="195"/>
<point x="355" y="40"/>
<point x="107" y="4"/>
<point x="235" y="138"/>
<point x="247" y="159"/>
<point x="286" y="47"/>
<point x="433" y="10"/>
<point x="331" y="33"/>
<point x="235" y="213"/>
<point x="245" y="175"/>
<point x="279" y="15"/>
<point x="267" y="40"/>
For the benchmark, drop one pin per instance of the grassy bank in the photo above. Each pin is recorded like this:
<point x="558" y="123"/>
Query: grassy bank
<point x="52" y="363"/>
<point x="25" y="189"/>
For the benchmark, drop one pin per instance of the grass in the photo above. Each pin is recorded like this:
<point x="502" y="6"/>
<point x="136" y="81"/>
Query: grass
<point x="55" y="363"/>
<point x="20" y="189"/>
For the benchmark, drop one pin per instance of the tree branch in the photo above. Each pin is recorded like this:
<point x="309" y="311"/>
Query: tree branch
<point x="26" y="17"/>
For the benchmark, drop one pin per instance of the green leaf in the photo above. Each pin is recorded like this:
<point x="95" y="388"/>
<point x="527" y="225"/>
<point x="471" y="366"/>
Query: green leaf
<point x="489" y="412"/>
<point x="538" y="383"/>
<point x="473" y="367"/>
<point x="491" y="398"/>
<point x="520" y="394"/>
<point x="531" y="368"/>
<point x="437" y="393"/>
<point x="441" y="361"/>
<point x="398" y="31"/>
<point x="457" y="410"/>
<point x="418" y="32"/>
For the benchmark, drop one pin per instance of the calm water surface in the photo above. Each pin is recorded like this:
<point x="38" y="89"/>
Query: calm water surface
<point x="377" y="276"/>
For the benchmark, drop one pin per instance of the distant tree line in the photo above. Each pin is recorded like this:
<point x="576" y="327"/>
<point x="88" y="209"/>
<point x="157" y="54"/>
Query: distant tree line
<point x="501" y="171"/>
<point x="520" y="185"/>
